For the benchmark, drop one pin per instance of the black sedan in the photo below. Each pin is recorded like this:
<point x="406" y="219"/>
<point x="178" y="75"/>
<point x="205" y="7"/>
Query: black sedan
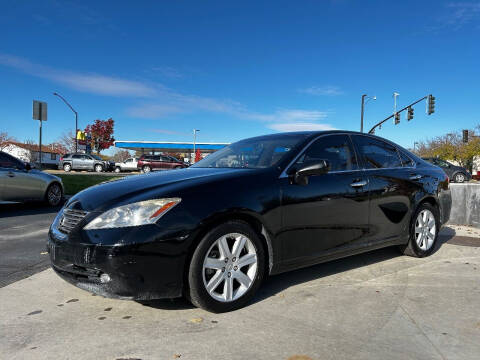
<point x="458" y="174"/>
<point x="261" y="206"/>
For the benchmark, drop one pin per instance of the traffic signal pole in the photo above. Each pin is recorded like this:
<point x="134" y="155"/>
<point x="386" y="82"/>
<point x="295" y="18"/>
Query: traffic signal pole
<point x="372" y="130"/>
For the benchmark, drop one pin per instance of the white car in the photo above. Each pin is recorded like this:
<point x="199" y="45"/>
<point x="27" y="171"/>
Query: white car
<point x="128" y="165"/>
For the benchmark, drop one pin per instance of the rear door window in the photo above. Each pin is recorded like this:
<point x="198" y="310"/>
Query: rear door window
<point x="336" y="149"/>
<point x="377" y="154"/>
<point x="406" y="161"/>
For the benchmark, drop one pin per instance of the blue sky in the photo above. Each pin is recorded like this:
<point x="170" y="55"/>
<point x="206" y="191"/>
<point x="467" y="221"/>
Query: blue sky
<point x="235" y="69"/>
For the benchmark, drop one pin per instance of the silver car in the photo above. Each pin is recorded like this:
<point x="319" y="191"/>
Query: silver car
<point x="19" y="182"/>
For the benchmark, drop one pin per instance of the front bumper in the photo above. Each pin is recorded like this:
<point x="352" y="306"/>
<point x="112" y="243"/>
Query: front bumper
<point x="143" y="271"/>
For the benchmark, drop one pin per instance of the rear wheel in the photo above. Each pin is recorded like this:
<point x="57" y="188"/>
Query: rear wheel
<point x="98" y="168"/>
<point x="54" y="194"/>
<point x="146" y="169"/>
<point x="460" y="178"/>
<point x="67" y="167"/>
<point x="227" y="268"/>
<point x="423" y="231"/>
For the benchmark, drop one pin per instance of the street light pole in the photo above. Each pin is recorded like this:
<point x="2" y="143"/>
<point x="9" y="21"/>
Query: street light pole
<point x="194" y="143"/>
<point x="76" y="118"/>
<point x="363" y="108"/>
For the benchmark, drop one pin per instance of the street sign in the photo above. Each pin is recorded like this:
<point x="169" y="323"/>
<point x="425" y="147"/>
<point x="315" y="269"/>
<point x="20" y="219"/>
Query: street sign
<point x="39" y="110"/>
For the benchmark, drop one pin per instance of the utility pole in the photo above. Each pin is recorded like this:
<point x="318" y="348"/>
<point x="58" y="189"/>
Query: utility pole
<point x="363" y="108"/>
<point x="76" y="118"/>
<point x="194" y="143"/>
<point x="39" y="113"/>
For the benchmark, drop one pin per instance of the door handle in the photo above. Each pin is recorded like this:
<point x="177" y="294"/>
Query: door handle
<point x="415" y="177"/>
<point x="357" y="184"/>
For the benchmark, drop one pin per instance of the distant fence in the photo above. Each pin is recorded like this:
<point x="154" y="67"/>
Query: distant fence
<point x="465" y="204"/>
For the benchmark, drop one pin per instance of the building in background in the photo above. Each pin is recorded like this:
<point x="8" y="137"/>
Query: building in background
<point x="30" y="153"/>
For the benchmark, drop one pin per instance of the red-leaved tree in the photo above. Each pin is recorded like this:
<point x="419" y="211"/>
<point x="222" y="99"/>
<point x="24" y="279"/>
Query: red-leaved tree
<point x="101" y="132"/>
<point x="198" y="155"/>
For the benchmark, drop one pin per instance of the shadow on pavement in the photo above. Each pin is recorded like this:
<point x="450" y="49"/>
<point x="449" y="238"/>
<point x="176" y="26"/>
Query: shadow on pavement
<point x="30" y="208"/>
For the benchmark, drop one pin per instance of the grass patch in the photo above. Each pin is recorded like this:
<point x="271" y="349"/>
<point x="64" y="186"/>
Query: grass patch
<point x="77" y="182"/>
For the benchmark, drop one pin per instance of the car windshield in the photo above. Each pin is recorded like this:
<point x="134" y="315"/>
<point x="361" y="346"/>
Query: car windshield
<point x="254" y="153"/>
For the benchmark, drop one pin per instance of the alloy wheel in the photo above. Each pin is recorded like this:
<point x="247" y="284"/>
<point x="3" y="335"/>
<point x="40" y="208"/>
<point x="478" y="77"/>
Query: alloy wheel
<point x="459" y="178"/>
<point x="54" y="194"/>
<point x="117" y="170"/>
<point x="98" y="168"/>
<point x="67" y="167"/>
<point x="425" y="229"/>
<point x="146" y="169"/>
<point x="230" y="267"/>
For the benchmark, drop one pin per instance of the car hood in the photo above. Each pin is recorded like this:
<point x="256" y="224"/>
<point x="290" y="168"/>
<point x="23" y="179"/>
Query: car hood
<point x="147" y="186"/>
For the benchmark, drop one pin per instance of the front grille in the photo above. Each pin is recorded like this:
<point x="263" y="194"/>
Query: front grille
<point x="69" y="219"/>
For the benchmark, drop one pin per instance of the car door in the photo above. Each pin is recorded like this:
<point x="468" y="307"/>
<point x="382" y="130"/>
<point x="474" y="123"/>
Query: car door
<point x="77" y="161"/>
<point x="88" y="162"/>
<point x="330" y="213"/>
<point x="391" y="189"/>
<point x="17" y="183"/>
<point x="129" y="165"/>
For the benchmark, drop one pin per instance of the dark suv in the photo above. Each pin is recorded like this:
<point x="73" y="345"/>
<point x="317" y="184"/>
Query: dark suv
<point x="456" y="174"/>
<point x="147" y="163"/>
<point x="80" y="161"/>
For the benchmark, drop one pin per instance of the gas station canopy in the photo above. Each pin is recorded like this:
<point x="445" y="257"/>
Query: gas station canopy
<point x="162" y="146"/>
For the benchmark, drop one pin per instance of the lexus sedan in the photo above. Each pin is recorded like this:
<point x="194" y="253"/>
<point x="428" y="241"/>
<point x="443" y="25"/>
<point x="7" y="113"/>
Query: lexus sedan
<point x="20" y="183"/>
<point x="212" y="232"/>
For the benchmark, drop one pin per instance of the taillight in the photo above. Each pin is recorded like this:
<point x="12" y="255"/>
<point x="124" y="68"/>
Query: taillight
<point x="61" y="158"/>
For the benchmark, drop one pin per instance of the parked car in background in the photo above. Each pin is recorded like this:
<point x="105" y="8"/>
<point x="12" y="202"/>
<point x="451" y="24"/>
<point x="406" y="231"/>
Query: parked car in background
<point x="456" y="173"/>
<point x="19" y="182"/>
<point x="147" y="163"/>
<point x="258" y="207"/>
<point x="127" y="165"/>
<point x="80" y="161"/>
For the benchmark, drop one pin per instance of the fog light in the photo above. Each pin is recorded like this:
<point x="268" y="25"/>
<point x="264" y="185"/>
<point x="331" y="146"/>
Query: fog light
<point x="104" y="278"/>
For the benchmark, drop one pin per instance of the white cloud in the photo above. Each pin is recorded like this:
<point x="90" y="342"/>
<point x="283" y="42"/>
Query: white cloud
<point x="300" y="126"/>
<point x="322" y="90"/>
<point x="160" y="102"/>
<point x="91" y="83"/>
<point x="462" y="13"/>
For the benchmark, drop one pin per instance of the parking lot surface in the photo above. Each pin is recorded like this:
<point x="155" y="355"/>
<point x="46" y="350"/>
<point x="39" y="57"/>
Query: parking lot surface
<point x="378" y="305"/>
<point x="23" y="230"/>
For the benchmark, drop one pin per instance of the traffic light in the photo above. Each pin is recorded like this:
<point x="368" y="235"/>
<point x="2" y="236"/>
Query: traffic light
<point x="409" y="113"/>
<point x="397" y="118"/>
<point x="431" y="104"/>
<point x="465" y="136"/>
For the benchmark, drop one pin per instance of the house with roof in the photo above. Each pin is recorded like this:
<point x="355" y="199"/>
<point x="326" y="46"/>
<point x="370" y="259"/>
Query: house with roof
<point x="51" y="153"/>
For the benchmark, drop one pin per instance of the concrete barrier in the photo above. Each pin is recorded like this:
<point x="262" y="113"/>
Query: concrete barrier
<point x="465" y="204"/>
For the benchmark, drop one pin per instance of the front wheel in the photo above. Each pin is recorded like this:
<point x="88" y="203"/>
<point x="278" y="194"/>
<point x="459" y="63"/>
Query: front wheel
<point x="98" y="168"/>
<point x="54" y="194"/>
<point x="146" y="169"/>
<point x="459" y="178"/>
<point x="117" y="169"/>
<point x="227" y="268"/>
<point x="423" y="231"/>
<point x="67" y="167"/>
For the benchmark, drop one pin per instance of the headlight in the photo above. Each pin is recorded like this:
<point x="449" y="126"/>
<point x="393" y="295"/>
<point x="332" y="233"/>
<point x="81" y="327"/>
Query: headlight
<point x="139" y="213"/>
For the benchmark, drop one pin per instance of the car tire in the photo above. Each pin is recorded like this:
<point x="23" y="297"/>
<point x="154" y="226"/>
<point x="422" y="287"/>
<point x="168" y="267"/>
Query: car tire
<point x="54" y="194"/>
<point x="424" y="229"/>
<point x="98" y="168"/>
<point x="225" y="284"/>
<point x="459" y="178"/>
<point x="67" y="167"/>
<point x="118" y="170"/>
<point x="146" y="169"/>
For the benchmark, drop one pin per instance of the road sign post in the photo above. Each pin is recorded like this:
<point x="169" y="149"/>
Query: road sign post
<point x="40" y="113"/>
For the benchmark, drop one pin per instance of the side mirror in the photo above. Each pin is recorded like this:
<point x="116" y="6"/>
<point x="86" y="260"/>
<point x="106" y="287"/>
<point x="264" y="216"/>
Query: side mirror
<point x="301" y="174"/>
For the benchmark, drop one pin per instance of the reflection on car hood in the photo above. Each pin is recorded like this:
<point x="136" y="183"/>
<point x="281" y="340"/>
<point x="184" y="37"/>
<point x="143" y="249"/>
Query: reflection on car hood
<point x="44" y="175"/>
<point x="146" y="186"/>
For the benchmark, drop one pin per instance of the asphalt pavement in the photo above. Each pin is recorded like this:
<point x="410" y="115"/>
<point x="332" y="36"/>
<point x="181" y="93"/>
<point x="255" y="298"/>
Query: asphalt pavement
<point x="23" y="233"/>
